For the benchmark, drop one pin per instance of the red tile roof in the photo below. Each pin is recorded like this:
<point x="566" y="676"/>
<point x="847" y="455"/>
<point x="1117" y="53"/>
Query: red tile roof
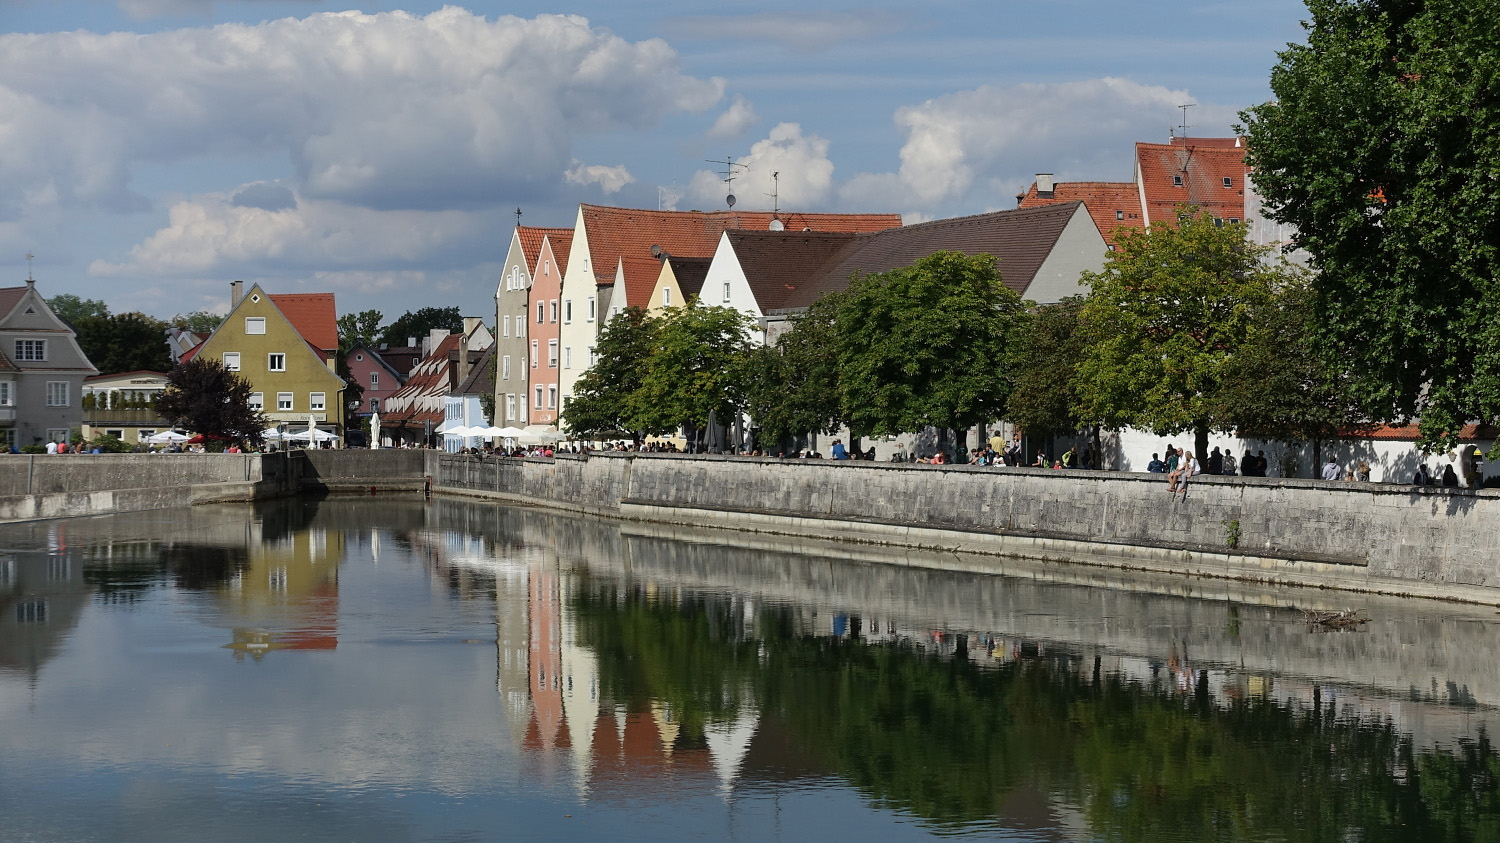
<point x="314" y="317"/>
<point x="1410" y="433"/>
<point x="1203" y="164"/>
<point x="561" y="240"/>
<point x="631" y="232"/>
<point x="777" y="263"/>
<point x="422" y="399"/>
<point x="1020" y="240"/>
<point x="640" y="279"/>
<point x="1112" y="204"/>
<point x="531" y="242"/>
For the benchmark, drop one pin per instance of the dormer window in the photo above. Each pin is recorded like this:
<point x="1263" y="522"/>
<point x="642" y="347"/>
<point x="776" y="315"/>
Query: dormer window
<point x="1177" y="181"/>
<point x="1228" y="182"/>
<point x="1119" y="215"/>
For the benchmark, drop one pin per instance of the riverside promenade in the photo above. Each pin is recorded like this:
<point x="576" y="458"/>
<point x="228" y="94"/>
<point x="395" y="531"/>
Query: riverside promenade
<point x="1363" y="537"/>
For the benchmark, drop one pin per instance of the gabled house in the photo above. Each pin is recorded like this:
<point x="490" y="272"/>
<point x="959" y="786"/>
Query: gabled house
<point x="1206" y="172"/>
<point x="41" y="371"/>
<point x="680" y="281"/>
<point x="1112" y="204"/>
<point x="465" y="405"/>
<point x="603" y="236"/>
<point x="286" y="346"/>
<point x="756" y="271"/>
<point x="526" y="311"/>
<point x="415" y="415"/>
<point x="372" y="370"/>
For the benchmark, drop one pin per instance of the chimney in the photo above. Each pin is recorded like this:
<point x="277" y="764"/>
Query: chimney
<point x="463" y="353"/>
<point x="1044" y="185"/>
<point x="236" y="292"/>
<point x="411" y="342"/>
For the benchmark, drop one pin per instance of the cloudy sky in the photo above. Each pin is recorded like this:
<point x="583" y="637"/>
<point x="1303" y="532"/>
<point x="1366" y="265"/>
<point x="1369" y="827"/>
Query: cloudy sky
<point x="151" y="151"/>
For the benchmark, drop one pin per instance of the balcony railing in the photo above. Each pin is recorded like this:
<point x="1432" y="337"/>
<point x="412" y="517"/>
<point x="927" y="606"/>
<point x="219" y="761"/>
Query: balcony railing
<point x="100" y="415"/>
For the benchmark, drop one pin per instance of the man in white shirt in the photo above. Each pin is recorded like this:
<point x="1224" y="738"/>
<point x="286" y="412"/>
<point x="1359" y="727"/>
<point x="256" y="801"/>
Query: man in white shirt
<point x="51" y="447"/>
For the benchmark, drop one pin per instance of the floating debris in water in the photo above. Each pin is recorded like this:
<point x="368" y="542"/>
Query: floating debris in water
<point x="1346" y="619"/>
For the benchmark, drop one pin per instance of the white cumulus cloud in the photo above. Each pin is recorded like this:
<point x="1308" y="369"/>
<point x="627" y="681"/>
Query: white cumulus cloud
<point x="803" y="173"/>
<point x="609" y="179"/>
<point x="387" y="110"/>
<point x="738" y="117"/>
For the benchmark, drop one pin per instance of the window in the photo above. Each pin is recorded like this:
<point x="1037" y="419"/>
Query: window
<point x="568" y="357"/>
<point x="552" y="354"/>
<point x="374" y="380"/>
<point x="317" y="401"/>
<point x="539" y="312"/>
<point x="553" y="310"/>
<point x="539" y="398"/>
<point x="284" y="402"/>
<point x="57" y="434"/>
<point x="505" y="368"/>
<point x="276" y="362"/>
<point x="1119" y="215"/>
<point x="118" y="434"/>
<point x="232" y="361"/>
<point x="506" y="332"/>
<point x="1234" y="219"/>
<point x="7" y="393"/>
<point x="57" y="393"/>
<point x="31" y="350"/>
<point x="1228" y="182"/>
<point x="510" y="406"/>
<point x="591" y="357"/>
<point x="552" y="397"/>
<point x="591" y="308"/>
<point x="546" y="267"/>
<point x="257" y="401"/>
<point x="374" y="405"/>
<point x="726" y="291"/>
<point x="568" y="312"/>
<point x="534" y="349"/>
<point x="255" y="324"/>
<point x="1177" y="181"/>
<point x="521" y="325"/>
<point x="143" y="434"/>
<point x="666" y="296"/>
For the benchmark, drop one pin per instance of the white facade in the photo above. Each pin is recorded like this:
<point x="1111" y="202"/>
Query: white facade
<point x="578" y="286"/>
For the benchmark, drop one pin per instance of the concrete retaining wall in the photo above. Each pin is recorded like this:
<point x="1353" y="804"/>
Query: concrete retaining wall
<point x="1360" y="536"/>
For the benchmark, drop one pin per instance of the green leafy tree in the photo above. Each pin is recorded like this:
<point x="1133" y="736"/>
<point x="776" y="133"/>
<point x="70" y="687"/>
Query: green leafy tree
<point x="126" y="342"/>
<point x="792" y="387"/>
<point x="925" y="346"/>
<point x="203" y="396"/>
<point x="1165" y="316"/>
<point x="1279" y="384"/>
<point x="199" y="321"/>
<point x="71" y="308"/>
<point x="362" y="328"/>
<point x="1380" y="147"/>
<point x="603" y="398"/>
<point x="1043" y="361"/>
<point x="418" y="323"/>
<point x="695" y="370"/>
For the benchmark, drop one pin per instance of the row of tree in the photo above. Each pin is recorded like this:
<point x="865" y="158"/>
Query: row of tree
<point x="1187" y="328"/>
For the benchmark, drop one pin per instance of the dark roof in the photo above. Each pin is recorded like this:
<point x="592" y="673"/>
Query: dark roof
<point x="690" y="273"/>
<point x="475" y="383"/>
<point x="9" y="296"/>
<point x="1020" y="240"/>
<point x="776" y="263"/>
<point x="6" y="365"/>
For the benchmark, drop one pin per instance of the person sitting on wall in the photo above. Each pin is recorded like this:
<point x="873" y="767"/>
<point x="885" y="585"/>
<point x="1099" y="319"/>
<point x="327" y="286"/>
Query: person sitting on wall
<point x="839" y="451"/>
<point x="1450" y="477"/>
<point x="1041" y="459"/>
<point x="1331" y="470"/>
<point x="1156" y="466"/>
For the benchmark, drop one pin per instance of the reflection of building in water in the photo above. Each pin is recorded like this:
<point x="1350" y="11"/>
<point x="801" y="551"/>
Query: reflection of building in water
<point x="286" y="595"/>
<point x="42" y="594"/>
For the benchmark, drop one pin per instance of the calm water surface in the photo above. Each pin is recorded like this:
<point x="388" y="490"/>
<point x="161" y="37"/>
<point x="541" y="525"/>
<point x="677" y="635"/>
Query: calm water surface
<point x="400" y="670"/>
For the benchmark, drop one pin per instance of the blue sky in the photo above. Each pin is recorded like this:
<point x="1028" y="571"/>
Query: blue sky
<point x="151" y="151"/>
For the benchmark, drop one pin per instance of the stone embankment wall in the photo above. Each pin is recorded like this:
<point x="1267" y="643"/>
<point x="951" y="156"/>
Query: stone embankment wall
<point x="58" y="486"/>
<point x="1358" y="536"/>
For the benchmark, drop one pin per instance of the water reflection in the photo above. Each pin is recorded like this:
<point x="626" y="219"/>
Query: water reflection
<point x="313" y="653"/>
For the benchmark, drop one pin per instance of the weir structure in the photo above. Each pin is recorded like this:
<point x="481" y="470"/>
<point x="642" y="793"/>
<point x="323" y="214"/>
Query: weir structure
<point x="1363" y="537"/>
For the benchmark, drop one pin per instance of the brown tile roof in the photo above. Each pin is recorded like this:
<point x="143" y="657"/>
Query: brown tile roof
<point x="690" y="273"/>
<point x="101" y="377"/>
<point x="640" y="279"/>
<point x="477" y="383"/>
<point x="422" y="398"/>
<point x="1020" y="241"/>
<point x="531" y="242"/>
<point x="399" y="358"/>
<point x="776" y="263"/>
<point x="631" y="232"/>
<point x="314" y="317"/>
<point x="1203" y="164"/>
<point x="1112" y="204"/>
<point x="9" y="296"/>
<point x="6" y="365"/>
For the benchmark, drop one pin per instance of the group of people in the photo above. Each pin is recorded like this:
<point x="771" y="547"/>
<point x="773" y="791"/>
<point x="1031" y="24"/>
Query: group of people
<point x="1220" y="462"/>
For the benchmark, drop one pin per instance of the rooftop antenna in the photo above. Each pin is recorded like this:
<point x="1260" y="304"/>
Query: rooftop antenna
<point x="29" y="256"/>
<point x="1184" y="126"/>
<point x="776" y="223"/>
<point x="730" y="172"/>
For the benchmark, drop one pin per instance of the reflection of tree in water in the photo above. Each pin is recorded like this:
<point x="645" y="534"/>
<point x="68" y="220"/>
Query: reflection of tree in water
<point x="950" y="740"/>
<point x="202" y="567"/>
<point x="283" y="517"/>
<point x="197" y="567"/>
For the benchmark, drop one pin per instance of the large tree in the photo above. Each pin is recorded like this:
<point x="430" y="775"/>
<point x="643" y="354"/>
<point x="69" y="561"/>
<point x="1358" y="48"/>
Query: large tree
<point x="695" y="371"/>
<point x="362" y="328"/>
<point x="1042" y="360"/>
<point x="418" y="323"/>
<point x="792" y="387"/>
<point x="126" y="342"/>
<point x="203" y="396"/>
<point x="925" y="345"/>
<point x="1164" y="317"/>
<point x="1380" y="147"/>
<point x="199" y="321"/>
<point x="70" y="308"/>
<point x="603" y="398"/>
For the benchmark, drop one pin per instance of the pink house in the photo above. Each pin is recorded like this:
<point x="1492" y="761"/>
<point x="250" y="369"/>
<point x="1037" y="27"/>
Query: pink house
<point x="375" y="375"/>
<point x="546" y="316"/>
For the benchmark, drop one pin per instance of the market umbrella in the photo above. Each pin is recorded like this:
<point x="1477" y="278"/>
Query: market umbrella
<point x="166" y="436"/>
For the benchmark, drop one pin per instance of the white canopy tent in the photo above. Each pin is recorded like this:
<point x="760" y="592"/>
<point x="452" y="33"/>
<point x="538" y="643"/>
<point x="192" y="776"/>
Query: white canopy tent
<point x="166" y="437"/>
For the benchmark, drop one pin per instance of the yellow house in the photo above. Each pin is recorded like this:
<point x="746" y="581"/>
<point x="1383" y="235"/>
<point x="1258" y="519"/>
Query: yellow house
<point x="286" y="346"/>
<point x="680" y="279"/>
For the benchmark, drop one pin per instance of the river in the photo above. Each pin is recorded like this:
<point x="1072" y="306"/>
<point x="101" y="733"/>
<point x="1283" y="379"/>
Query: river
<point x="449" y="670"/>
